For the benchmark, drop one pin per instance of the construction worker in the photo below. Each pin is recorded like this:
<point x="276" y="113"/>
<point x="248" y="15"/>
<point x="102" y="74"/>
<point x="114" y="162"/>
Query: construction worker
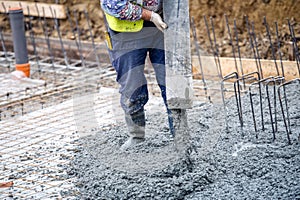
<point x="135" y="30"/>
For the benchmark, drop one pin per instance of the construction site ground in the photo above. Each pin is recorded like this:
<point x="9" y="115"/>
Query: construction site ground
<point x="62" y="141"/>
<point x="62" y="128"/>
<point x="71" y="151"/>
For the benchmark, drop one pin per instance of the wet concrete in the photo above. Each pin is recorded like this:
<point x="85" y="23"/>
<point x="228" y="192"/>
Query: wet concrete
<point x="220" y="163"/>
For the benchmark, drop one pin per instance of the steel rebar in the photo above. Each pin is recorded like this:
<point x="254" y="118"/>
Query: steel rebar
<point x="295" y="46"/>
<point x="239" y="50"/>
<point x="282" y="68"/>
<point x="252" y="47"/>
<point x="271" y="44"/>
<point x="233" y="75"/>
<point x="31" y="34"/>
<point x="270" y="106"/>
<point x="212" y="47"/>
<point x="276" y="80"/>
<point x="57" y="27"/>
<point x="78" y="31"/>
<point x="279" y="48"/>
<point x="285" y="119"/>
<point x="237" y="92"/>
<point x="256" y="48"/>
<point x="217" y="59"/>
<point x="259" y="83"/>
<point x="231" y="43"/>
<point x="2" y="38"/>
<point x="216" y="46"/>
<point x="74" y="35"/>
<point x="46" y="34"/>
<point x="92" y="37"/>
<point x="3" y="44"/>
<point x="199" y="58"/>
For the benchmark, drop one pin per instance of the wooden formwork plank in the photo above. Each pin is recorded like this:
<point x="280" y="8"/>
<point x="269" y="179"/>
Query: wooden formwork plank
<point x="35" y="9"/>
<point x="249" y="65"/>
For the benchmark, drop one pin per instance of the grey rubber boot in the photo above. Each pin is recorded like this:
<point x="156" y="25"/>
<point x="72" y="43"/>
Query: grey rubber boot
<point x="136" y="129"/>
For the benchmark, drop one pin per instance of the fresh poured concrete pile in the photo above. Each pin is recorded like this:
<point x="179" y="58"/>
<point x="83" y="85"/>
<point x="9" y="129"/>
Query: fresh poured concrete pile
<point x="220" y="164"/>
<point x="57" y="153"/>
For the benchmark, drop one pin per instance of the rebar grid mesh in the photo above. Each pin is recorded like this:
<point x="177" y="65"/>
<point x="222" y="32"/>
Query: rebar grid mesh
<point x="36" y="143"/>
<point x="35" y="148"/>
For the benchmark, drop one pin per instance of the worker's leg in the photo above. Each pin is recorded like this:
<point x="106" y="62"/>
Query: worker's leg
<point x="128" y="58"/>
<point x="157" y="57"/>
<point x="134" y="92"/>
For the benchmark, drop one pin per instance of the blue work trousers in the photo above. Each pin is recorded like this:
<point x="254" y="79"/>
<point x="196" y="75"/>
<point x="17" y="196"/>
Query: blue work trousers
<point x="128" y="58"/>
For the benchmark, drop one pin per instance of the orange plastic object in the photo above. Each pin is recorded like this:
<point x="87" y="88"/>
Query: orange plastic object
<point x="16" y="8"/>
<point x="24" y="68"/>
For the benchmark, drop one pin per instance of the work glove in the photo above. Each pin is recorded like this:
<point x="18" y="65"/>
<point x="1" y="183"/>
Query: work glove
<point x="157" y="20"/>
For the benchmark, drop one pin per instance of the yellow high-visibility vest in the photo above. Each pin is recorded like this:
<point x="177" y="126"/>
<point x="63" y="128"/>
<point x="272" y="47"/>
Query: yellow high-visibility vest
<point x="124" y="25"/>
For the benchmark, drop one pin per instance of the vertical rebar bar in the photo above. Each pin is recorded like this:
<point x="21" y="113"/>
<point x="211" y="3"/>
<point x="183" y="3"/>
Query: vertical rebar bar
<point x="231" y="43"/>
<point x="259" y="83"/>
<point x="4" y="7"/>
<point x="3" y="44"/>
<point x="271" y="44"/>
<point x="212" y="46"/>
<point x="31" y="33"/>
<point x="46" y="34"/>
<point x="285" y="119"/>
<point x="252" y="47"/>
<point x="287" y="128"/>
<point x="74" y="35"/>
<point x="252" y="111"/>
<point x="57" y="27"/>
<point x="216" y="46"/>
<point x="295" y="46"/>
<point x="282" y="68"/>
<point x="256" y="47"/>
<point x="237" y="93"/>
<point x="78" y="31"/>
<point x="281" y="81"/>
<point x="279" y="49"/>
<point x="92" y="36"/>
<point x="199" y="58"/>
<point x="233" y="75"/>
<point x="269" y="104"/>
<point x="251" y="99"/>
<point x="2" y="40"/>
<point x="239" y="50"/>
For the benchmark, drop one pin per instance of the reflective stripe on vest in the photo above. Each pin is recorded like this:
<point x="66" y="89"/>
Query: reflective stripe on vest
<point x="124" y="25"/>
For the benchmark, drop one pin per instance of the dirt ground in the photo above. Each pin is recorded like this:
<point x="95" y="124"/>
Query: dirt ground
<point x="273" y="10"/>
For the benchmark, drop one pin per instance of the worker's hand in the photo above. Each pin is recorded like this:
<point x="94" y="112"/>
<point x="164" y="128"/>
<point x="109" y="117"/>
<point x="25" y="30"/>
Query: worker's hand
<point x="157" y="20"/>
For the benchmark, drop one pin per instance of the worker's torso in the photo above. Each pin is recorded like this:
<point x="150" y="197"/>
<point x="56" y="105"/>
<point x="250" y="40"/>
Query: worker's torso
<point x="143" y="38"/>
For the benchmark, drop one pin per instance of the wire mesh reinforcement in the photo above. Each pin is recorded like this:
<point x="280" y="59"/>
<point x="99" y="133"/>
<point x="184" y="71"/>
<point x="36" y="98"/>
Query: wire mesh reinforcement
<point x="35" y="148"/>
